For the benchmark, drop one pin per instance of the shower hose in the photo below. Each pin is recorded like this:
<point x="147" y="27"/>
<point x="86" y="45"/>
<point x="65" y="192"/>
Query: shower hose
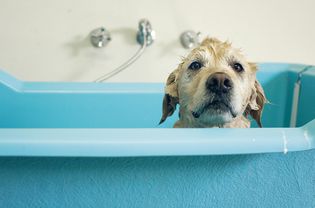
<point x="126" y="64"/>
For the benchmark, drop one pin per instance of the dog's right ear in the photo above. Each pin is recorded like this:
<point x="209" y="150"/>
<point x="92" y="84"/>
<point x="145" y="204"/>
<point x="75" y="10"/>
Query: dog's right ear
<point x="170" y="99"/>
<point x="256" y="104"/>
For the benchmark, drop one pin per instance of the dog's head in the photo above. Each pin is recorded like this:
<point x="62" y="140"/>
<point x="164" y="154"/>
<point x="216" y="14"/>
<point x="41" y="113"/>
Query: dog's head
<point x="213" y="85"/>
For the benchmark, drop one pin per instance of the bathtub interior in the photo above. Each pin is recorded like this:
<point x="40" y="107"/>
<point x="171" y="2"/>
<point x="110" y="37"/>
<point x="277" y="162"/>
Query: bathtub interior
<point x="135" y="105"/>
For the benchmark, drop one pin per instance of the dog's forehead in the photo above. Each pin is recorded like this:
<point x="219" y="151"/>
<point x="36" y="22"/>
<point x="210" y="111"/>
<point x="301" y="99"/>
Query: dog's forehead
<point x="201" y="52"/>
<point x="216" y="49"/>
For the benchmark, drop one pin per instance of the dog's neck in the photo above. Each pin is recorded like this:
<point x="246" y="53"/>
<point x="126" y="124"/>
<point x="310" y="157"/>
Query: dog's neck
<point x="188" y="121"/>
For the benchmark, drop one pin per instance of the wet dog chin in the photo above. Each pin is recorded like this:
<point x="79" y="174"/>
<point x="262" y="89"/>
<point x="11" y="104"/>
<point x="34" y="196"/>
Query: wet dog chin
<point x="216" y="113"/>
<point x="216" y="116"/>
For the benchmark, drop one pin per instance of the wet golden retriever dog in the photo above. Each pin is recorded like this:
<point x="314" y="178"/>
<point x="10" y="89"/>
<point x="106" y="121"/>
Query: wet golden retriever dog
<point x="215" y="86"/>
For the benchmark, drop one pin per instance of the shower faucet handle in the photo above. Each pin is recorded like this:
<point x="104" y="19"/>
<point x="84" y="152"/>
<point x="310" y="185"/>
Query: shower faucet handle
<point x="100" y="37"/>
<point x="190" y="39"/>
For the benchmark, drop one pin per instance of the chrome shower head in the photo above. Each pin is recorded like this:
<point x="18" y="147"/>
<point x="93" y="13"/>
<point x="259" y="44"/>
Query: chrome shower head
<point x="145" y="33"/>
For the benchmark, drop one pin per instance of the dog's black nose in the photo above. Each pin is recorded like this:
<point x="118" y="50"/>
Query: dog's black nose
<point x="219" y="83"/>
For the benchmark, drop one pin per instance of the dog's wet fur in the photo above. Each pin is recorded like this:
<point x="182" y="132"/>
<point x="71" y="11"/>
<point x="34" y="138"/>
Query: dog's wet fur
<point x="215" y="86"/>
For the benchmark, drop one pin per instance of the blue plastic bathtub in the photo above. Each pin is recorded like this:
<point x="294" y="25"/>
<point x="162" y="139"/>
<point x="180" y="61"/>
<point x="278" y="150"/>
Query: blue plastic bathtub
<point x="82" y="145"/>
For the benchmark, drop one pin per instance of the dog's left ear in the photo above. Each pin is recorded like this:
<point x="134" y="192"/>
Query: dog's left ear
<point x="170" y="99"/>
<point x="256" y="103"/>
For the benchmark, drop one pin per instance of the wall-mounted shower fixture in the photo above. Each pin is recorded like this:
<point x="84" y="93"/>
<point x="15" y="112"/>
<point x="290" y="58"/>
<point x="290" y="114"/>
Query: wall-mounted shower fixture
<point x="145" y="32"/>
<point x="190" y="39"/>
<point x="100" y="37"/>
<point x="145" y="37"/>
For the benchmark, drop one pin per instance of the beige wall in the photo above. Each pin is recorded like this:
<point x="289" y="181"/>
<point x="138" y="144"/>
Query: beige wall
<point x="47" y="40"/>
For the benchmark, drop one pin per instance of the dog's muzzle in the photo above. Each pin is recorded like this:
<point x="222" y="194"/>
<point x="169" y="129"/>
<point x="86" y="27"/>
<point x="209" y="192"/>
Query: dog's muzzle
<point x="219" y="83"/>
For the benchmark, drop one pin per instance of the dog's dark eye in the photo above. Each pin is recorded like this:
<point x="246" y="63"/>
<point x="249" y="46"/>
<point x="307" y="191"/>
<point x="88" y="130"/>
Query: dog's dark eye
<point x="238" y="67"/>
<point x="195" y="65"/>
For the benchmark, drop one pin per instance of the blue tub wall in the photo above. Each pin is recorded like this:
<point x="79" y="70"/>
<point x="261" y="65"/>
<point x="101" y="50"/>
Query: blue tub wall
<point x="306" y="109"/>
<point x="109" y="105"/>
<point x="57" y="110"/>
<point x="260" y="180"/>
<point x="277" y="111"/>
<point x="81" y="105"/>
